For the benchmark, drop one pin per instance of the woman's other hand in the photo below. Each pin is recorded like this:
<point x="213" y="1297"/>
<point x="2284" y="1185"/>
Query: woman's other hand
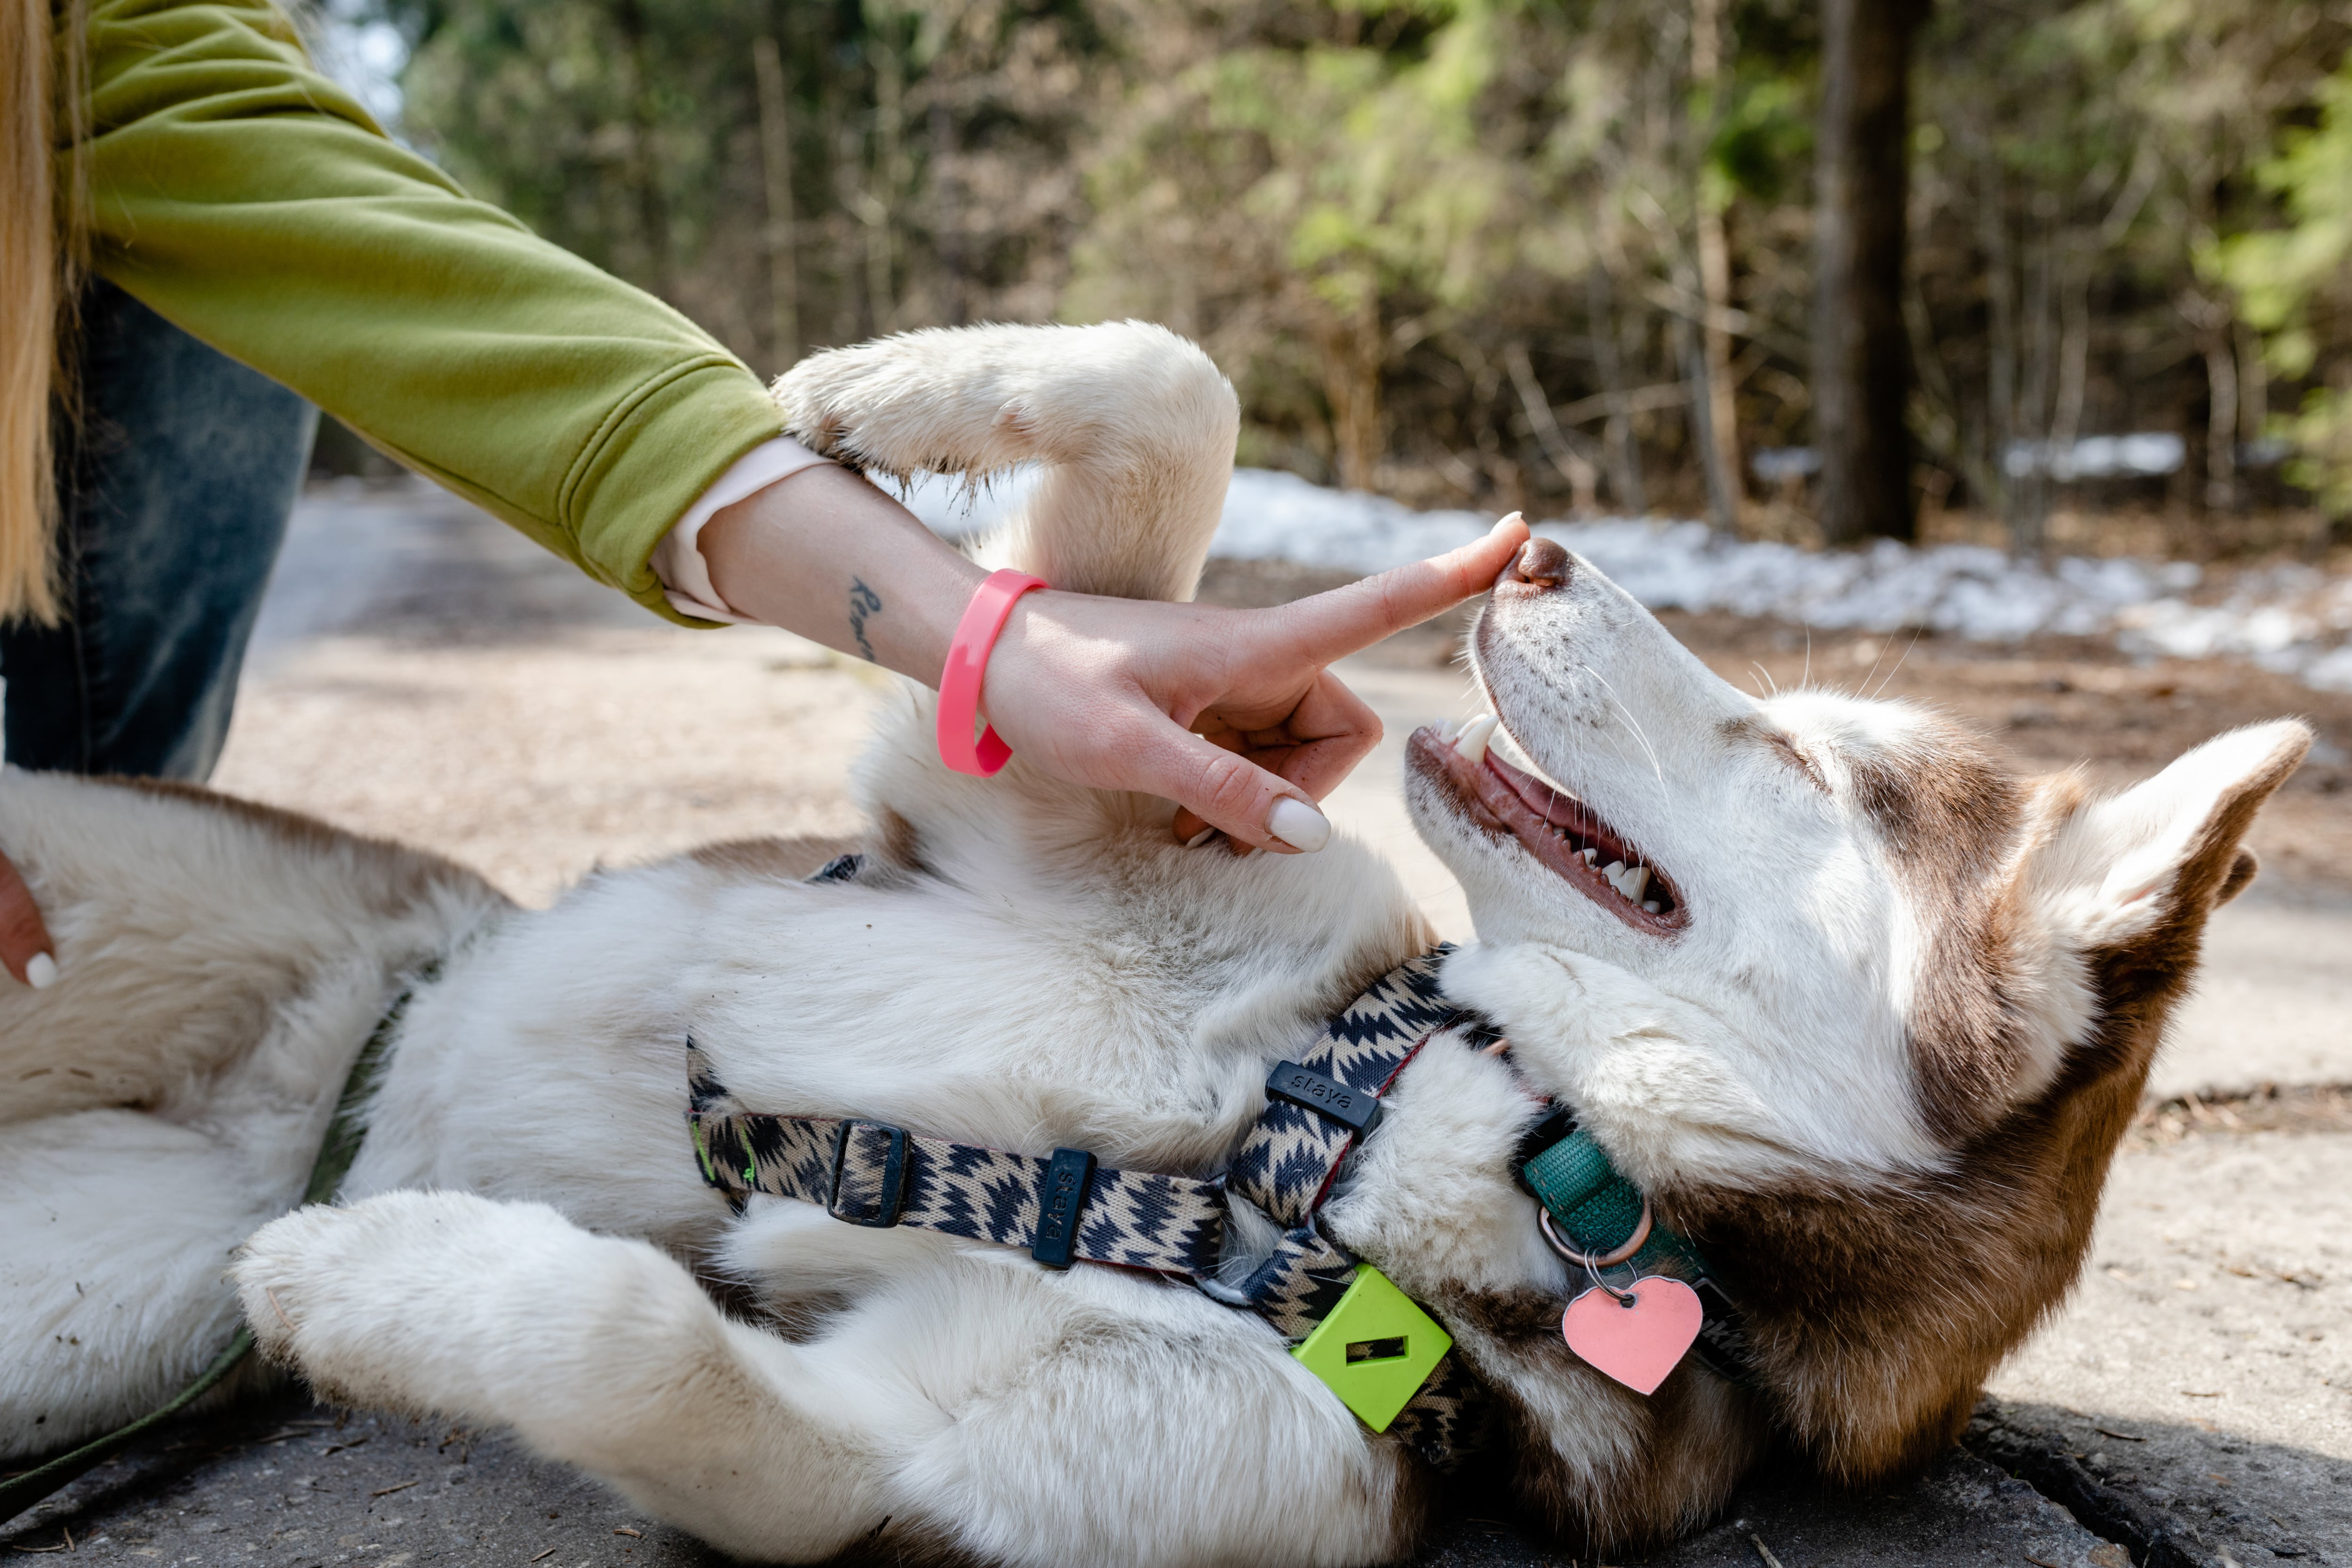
<point x="25" y="945"/>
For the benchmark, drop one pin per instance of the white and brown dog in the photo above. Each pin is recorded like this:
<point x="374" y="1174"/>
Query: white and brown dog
<point x="1867" y="1033"/>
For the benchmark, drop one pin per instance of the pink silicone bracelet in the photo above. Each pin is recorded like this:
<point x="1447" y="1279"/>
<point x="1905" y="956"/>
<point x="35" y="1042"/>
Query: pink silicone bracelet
<point x="975" y="637"/>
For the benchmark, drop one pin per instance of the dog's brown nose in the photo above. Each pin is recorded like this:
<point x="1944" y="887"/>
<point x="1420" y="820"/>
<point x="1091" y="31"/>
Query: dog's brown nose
<point x="1541" y="564"/>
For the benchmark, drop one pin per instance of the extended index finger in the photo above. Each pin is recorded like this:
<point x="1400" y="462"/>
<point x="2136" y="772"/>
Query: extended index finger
<point x="1331" y="625"/>
<point x="23" y="934"/>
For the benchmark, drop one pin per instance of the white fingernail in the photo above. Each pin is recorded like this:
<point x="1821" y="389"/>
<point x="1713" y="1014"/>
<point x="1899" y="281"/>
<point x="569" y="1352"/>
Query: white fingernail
<point x="40" y="972"/>
<point x="1298" y="824"/>
<point x="1506" y="523"/>
<point x="1200" y="839"/>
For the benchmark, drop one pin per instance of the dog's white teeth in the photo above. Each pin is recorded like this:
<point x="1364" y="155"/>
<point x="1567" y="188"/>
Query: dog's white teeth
<point x="1630" y="884"/>
<point x="1591" y="857"/>
<point x="1650" y="906"/>
<point x="1446" y="730"/>
<point x="1471" y="744"/>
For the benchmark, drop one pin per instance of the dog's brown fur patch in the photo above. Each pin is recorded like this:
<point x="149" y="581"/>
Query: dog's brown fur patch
<point x="1949" y="815"/>
<point x="392" y="876"/>
<point x="1876" y="1309"/>
<point x="1660" y="1466"/>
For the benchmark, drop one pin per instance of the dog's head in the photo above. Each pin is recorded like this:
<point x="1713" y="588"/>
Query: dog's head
<point x="1871" y="1025"/>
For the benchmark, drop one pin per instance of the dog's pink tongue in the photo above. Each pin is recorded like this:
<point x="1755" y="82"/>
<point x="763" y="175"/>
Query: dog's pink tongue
<point x="1636" y="1341"/>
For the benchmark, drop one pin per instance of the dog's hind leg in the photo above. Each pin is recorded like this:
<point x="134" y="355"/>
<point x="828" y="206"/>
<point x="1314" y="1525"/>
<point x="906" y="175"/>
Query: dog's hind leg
<point x="1133" y="426"/>
<point x="960" y="1408"/>
<point x="188" y="926"/>
<point x="601" y="1352"/>
<point x="120" y="1228"/>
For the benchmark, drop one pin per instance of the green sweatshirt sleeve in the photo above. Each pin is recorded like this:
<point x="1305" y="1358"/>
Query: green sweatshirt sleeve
<point x="252" y="202"/>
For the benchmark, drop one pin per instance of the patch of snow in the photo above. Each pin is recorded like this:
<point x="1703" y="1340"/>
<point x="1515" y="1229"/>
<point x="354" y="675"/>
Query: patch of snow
<point x="2143" y="452"/>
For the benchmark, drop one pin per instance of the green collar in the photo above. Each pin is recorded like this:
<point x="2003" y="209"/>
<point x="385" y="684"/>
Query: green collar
<point x="1595" y="1212"/>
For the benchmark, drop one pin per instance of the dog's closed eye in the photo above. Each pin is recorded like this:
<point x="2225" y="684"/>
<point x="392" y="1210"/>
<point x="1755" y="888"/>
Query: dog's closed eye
<point x="1788" y="752"/>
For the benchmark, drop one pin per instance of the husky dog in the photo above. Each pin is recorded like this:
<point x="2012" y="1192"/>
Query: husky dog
<point x="1863" y="1015"/>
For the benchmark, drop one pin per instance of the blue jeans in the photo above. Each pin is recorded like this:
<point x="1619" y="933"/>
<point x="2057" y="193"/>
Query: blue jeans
<point x="175" y="491"/>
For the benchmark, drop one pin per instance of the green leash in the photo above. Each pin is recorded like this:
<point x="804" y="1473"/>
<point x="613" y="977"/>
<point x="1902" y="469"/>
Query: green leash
<point x="336" y="1153"/>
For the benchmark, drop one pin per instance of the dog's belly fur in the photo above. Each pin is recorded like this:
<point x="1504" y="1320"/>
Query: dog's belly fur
<point x="549" y="1062"/>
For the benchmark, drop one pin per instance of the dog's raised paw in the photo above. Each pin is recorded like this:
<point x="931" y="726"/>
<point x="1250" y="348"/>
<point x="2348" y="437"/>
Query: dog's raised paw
<point x="279" y="1268"/>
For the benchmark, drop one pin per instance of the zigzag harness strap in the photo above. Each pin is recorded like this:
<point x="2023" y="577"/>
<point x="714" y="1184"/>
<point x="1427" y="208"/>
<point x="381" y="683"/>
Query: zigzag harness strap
<point x="1317" y="1108"/>
<point x="870" y="1174"/>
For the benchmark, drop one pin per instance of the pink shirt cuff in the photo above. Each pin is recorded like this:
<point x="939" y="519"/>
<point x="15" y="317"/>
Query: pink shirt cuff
<point x="678" y="558"/>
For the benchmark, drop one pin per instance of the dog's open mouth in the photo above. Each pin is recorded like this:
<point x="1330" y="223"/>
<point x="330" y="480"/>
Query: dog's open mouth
<point x="1559" y="830"/>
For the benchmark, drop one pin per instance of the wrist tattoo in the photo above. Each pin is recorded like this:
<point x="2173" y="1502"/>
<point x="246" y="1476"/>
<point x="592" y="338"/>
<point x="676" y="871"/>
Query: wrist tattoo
<point x="863" y="601"/>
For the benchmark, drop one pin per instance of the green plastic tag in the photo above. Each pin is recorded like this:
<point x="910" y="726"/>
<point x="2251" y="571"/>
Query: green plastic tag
<point x="1375" y="1350"/>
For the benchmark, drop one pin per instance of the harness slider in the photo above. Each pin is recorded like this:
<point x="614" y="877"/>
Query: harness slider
<point x="1061" y="1194"/>
<point x="1375" y="1350"/>
<point x="1357" y="1109"/>
<point x="871" y="1165"/>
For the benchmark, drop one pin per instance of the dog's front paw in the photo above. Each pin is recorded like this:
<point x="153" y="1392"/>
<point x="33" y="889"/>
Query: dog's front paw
<point x="285" y="1261"/>
<point x="371" y="1303"/>
<point x="949" y="402"/>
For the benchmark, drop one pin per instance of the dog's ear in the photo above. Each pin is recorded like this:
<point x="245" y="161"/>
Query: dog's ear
<point x="2167" y="848"/>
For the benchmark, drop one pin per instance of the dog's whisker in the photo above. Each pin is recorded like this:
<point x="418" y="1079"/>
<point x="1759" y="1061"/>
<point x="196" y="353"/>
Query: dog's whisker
<point x="1916" y="632"/>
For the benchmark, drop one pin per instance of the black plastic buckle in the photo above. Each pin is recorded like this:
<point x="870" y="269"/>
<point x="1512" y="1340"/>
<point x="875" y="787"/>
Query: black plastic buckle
<point x="1061" y="1194"/>
<point x="870" y="1170"/>
<point x="1357" y="1109"/>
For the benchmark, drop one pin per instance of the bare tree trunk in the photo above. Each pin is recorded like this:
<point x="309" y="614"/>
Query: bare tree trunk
<point x="2030" y="500"/>
<point x="2254" y="387"/>
<point x="1862" y="370"/>
<point x="653" y="213"/>
<point x="2221" y="422"/>
<point x="1583" y="476"/>
<point x="1692" y="361"/>
<point x="882" y="187"/>
<point x="2073" y="353"/>
<point x="1350" y="351"/>
<point x="946" y="221"/>
<point x="1617" y="436"/>
<point x="2000" y="328"/>
<point x="2217" y="339"/>
<point x="1715" y="275"/>
<point x="776" y="167"/>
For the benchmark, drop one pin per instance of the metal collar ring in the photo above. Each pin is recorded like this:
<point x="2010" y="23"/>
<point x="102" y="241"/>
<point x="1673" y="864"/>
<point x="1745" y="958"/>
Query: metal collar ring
<point x="1631" y="1244"/>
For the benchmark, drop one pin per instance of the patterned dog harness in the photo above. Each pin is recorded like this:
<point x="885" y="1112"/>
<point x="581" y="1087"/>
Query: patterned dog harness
<point x="1067" y="1208"/>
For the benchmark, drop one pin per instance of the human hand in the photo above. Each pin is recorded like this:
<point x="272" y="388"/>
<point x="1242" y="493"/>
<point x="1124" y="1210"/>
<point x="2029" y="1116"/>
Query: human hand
<point x="1226" y="712"/>
<point x="25" y="945"/>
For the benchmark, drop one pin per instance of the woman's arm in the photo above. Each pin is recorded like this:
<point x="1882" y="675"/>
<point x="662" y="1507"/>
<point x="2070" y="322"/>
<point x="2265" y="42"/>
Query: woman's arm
<point x="253" y="202"/>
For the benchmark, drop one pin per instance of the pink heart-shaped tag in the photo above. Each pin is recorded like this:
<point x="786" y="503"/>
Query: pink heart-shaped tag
<point x="1637" y="1341"/>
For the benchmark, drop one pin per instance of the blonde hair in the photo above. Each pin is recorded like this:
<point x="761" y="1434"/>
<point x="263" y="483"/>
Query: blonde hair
<point x="43" y="234"/>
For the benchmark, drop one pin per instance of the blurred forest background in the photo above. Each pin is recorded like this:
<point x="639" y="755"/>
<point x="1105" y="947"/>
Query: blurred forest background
<point x="2063" y="274"/>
